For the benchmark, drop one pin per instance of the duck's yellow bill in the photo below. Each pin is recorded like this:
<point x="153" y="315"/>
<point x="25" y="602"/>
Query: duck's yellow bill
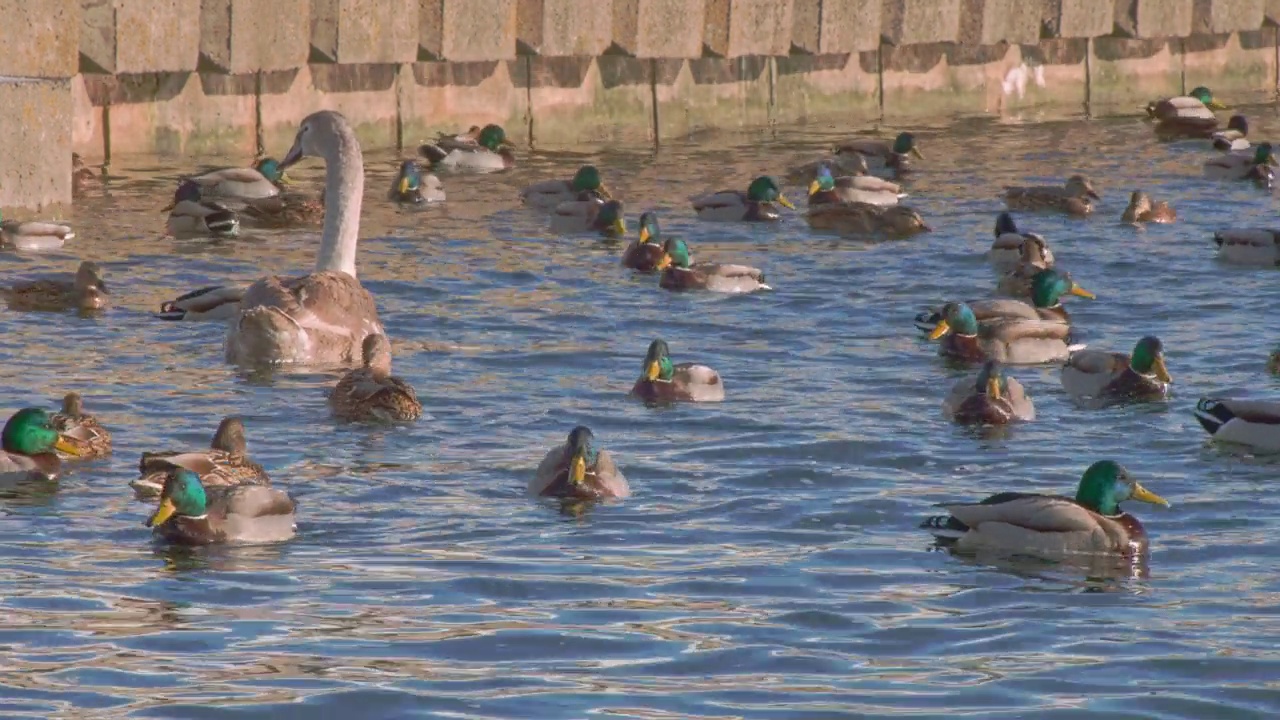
<point x="1146" y="496"/>
<point x="1215" y="105"/>
<point x="169" y="207"/>
<point x="285" y="179"/>
<point x="67" y="446"/>
<point x="578" y="470"/>
<point x="814" y="187"/>
<point x="916" y="151"/>
<point x="993" y="388"/>
<point x="1077" y="290"/>
<point x="782" y="200"/>
<point x="652" y="371"/>
<point x="939" y="330"/>
<point x="664" y="263"/>
<point x="644" y="235"/>
<point x="1161" y="371"/>
<point x="619" y="227"/>
<point x="604" y="192"/>
<point x="162" y="513"/>
<point x="404" y="185"/>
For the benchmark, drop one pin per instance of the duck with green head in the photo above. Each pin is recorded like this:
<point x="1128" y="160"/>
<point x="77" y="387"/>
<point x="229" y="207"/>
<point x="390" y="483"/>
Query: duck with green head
<point x="1140" y="375"/>
<point x="579" y="469"/>
<point x="413" y="186"/>
<point x="1050" y="526"/>
<point x="1047" y="289"/>
<point x="34" y="235"/>
<point x="645" y="252"/>
<point x="1036" y="257"/>
<point x="882" y="153"/>
<point x="481" y="149"/>
<point x="585" y="184"/>
<point x="1252" y="165"/>
<point x="1010" y="341"/>
<point x="990" y="399"/>
<point x="592" y="214"/>
<point x="191" y="215"/>
<point x="288" y="208"/>
<point x="1074" y="197"/>
<point x="661" y="381"/>
<point x="225" y="463"/>
<point x="190" y="514"/>
<point x="1235" y="138"/>
<point x="679" y="272"/>
<point x="826" y="189"/>
<point x="263" y="180"/>
<point x="1189" y="115"/>
<point x="754" y="205"/>
<point x="29" y="446"/>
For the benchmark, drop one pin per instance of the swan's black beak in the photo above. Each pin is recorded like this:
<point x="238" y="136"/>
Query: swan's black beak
<point x="293" y="156"/>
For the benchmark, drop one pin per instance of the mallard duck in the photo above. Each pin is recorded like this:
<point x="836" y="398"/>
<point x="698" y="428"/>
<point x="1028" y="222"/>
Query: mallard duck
<point x="263" y="180"/>
<point x="1235" y="138"/>
<point x="880" y="153"/>
<point x="85" y="291"/>
<point x="1075" y="197"/>
<point x="826" y="189"/>
<point x="224" y="464"/>
<point x="1006" y="251"/>
<point x="861" y="218"/>
<point x="82" y="177"/>
<point x="679" y="272"/>
<point x="577" y="469"/>
<point x="990" y="399"/>
<point x="645" y="253"/>
<point x="1142" y="210"/>
<point x="411" y="185"/>
<point x="190" y="215"/>
<point x="756" y="204"/>
<point x="590" y="214"/>
<point x="840" y="164"/>
<point x="322" y="317"/>
<point x="1052" y="525"/>
<point x="34" y="236"/>
<point x="30" y="446"/>
<point x="1017" y="282"/>
<point x="216" y="302"/>
<point x="1101" y="374"/>
<point x="662" y="382"/>
<point x="1273" y="362"/>
<point x="550" y="193"/>
<point x="288" y="209"/>
<point x="479" y="150"/>
<point x="81" y="429"/>
<point x="1245" y="165"/>
<point x="1048" y="287"/>
<point x="1253" y="423"/>
<point x="371" y="392"/>
<point x="190" y="514"/>
<point x="1191" y="114"/>
<point x="1010" y="341"/>
<point x="1248" y="246"/>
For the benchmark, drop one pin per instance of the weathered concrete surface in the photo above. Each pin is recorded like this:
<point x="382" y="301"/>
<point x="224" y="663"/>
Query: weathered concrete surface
<point x="736" y="28"/>
<point x="564" y="28"/>
<point x="810" y="88"/>
<point x="244" y="36"/>
<point x="1078" y="18"/>
<point x="139" y="36"/>
<point x="660" y="28"/>
<point x="1271" y="12"/>
<point x="48" y="45"/>
<point x="35" y="142"/>
<point x="1224" y="16"/>
<point x="1153" y="18"/>
<point x="467" y="30"/>
<point x="988" y="22"/>
<point x="823" y="27"/>
<point x="364" y="31"/>
<point x="912" y="22"/>
<point x="440" y="96"/>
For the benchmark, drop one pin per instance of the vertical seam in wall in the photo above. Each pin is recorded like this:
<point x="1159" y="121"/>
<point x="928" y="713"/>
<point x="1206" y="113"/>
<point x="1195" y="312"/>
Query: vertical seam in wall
<point x="399" y="88"/>
<point x="1182" y="47"/>
<point x="653" y="100"/>
<point x="880" y="78"/>
<point x="259" y="132"/>
<point x="1088" y="78"/>
<point x="528" y="97"/>
<point x="106" y="133"/>
<point x="772" y="67"/>
<point x="1276" y="44"/>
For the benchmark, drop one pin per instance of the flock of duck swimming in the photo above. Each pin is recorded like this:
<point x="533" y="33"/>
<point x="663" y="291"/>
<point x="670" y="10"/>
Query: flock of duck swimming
<point x="327" y="317"/>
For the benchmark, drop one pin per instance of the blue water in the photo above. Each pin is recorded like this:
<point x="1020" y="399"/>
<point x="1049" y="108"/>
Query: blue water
<point x="769" y="564"/>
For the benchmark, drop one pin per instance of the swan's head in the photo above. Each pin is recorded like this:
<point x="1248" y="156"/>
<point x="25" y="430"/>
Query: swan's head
<point x="318" y="134"/>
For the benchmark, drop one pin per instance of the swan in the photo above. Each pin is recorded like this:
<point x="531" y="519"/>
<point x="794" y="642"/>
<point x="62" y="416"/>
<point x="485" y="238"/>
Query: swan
<point x="323" y="317"/>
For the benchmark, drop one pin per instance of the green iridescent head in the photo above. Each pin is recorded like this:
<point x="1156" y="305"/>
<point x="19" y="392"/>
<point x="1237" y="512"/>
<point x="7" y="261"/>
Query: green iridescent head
<point x="991" y="380"/>
<point x="271" y="170"/>
<point x="957" y="317"/>
<point x="1204" y="95"/>
<point x="1106" y="484"/>
<point x="675" y="252"/>
<point x="905" y="144"/>
<point x="823" y="181"/>
<point x="1264" y="154"/>
<point x="1048" y="286"/>
<point x="765" y="189"/>
<point x="494" y="138"/>
<point x="582" y="453"/>
<point x="657" y="362"/>
<point x="183" y="495"/>
<point x="30" y="432"/>
<point x="409" y="179"/>
<point x="609" y="219"/>
<point x="587" y="178"/>
<point x="649" y="231"/>
<point x="1148" y="358"/>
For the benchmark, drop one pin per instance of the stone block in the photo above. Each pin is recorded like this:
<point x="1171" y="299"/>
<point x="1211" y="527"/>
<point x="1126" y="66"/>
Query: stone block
<point x="49" y="45"/>
<point x="824" y="27"/>
<point x="35" y="142"/>
<point x="736" y="28"/>
<point x="915" y="22"/>
<point x="1153" y="18"/>
<point x="564" y="28"/>
<point x="1078" y="18"/>
<point x="1271" y="12"/>
<point x="122" y="37"/>
<point x="660" y="28"/>
<point x="245" y="36"/>
<point x="989" y="22"/>
<point x="364" y="31"/>
<point x="1215" y="17"/>
<point x="467" y="30"/>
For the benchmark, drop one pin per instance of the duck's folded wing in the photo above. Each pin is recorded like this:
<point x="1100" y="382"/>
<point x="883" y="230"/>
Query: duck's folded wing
<point x="328" y="300"/>
<point x="722" y="198"/>
<point x="1043" y="513"/>
<point x="44" y="228"/>
<point x="546" y="187"/>
<point x="866" y="146"/>
<point x="200" y="463"/>
<point x="256" y="501"/>
<point x="553" y="465"/>
<point x="1262" y="412"/>
<point x="731" y="270"/>
<point x="1019" y="400"/>
<point x="997" y="309"/>
<point x="611" y="478"/>
<point x="240" y="175"/>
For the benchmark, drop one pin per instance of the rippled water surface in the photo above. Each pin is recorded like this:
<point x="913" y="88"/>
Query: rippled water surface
<point x="769" y="564"/>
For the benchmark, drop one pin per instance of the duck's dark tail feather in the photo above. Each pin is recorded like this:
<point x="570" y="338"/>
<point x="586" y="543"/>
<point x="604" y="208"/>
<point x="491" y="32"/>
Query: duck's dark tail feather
<point x="926" y="321"/>
<point x="224" y="223"/>
<point x="433" y="153"/>
<point x="945" y="527"/>
<point x="1212" y="415"/>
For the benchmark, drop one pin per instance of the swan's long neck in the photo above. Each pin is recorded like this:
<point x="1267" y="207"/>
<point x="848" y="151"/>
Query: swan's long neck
<point x="343" y="192"/>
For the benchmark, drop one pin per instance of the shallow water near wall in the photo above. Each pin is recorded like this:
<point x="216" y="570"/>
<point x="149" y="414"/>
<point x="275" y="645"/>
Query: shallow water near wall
<point x="769" y="564"/>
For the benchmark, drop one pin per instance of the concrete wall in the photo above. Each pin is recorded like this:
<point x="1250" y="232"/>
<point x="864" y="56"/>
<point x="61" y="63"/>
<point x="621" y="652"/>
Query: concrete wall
<point x="234" y="77"/>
